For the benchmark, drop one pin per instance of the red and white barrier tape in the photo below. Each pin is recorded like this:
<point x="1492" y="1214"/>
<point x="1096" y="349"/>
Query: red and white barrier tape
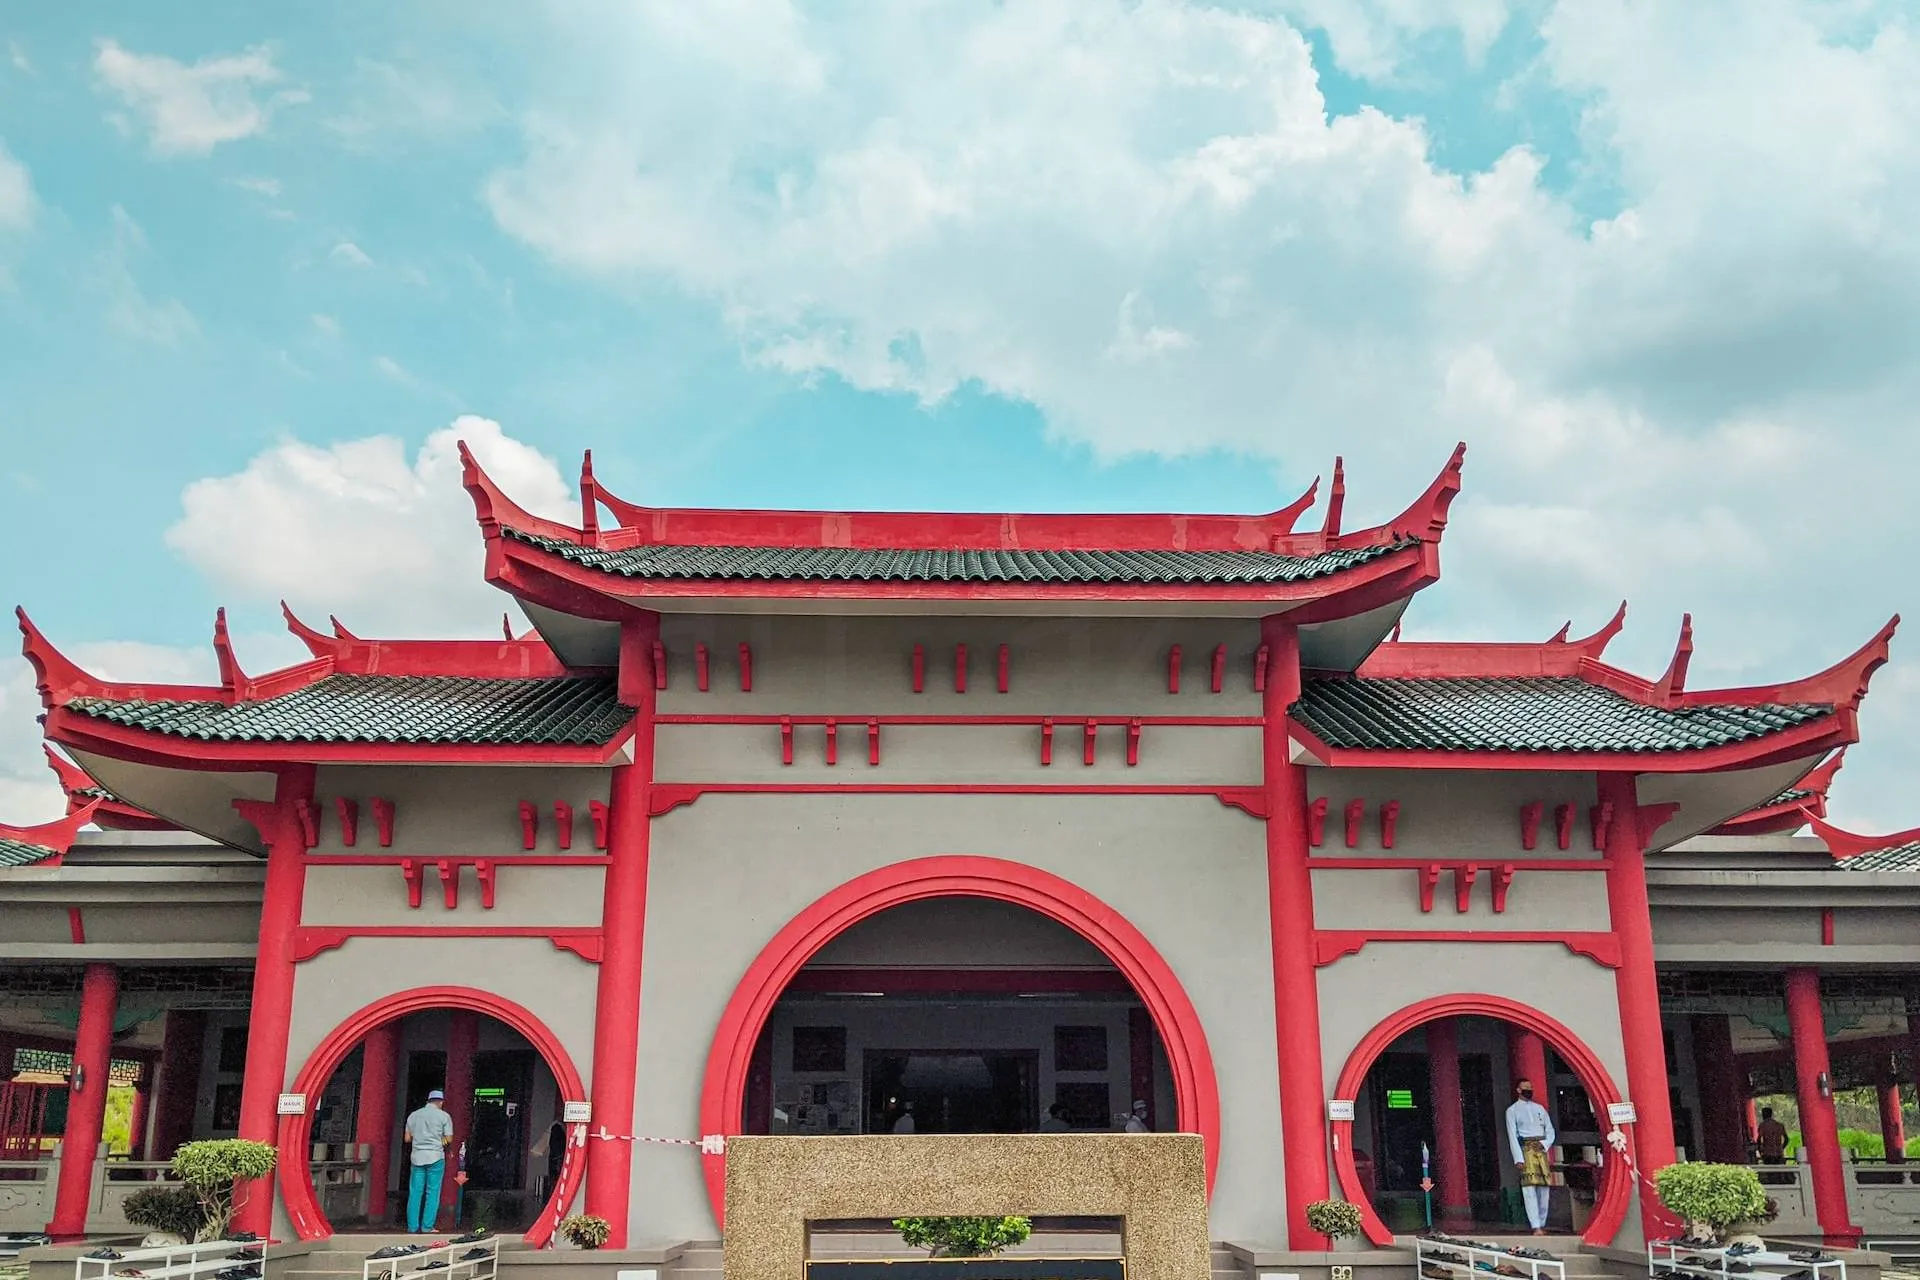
<point x="712" y="1144"/>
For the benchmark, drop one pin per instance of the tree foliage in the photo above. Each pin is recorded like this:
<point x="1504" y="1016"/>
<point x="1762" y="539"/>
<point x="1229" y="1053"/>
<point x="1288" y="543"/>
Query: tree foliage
<point x="214" y="1168"/>
<point x="963" y="1237"/>
<point x="174" y="1209"/>
<point x="1717" y="1194"/>
<point x="1335" y="1219"/>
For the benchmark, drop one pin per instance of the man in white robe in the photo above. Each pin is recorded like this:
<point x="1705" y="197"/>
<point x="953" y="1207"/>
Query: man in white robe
<point x="1530" y="1135"/>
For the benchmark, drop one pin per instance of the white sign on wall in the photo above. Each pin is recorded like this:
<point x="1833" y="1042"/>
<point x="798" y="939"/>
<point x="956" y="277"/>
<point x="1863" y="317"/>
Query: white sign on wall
<point x="293" y="1104"/>
<point x="1340" y="1109"/>
<point x="1622" y="1113"/>
<point x="576" y="1112"/>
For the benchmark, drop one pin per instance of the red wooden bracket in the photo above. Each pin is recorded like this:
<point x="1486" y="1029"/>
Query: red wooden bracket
<point x="1219" y="667"/>
<point x="1092" y="741"/>
<point x="1046" y="742"/>
<point x="1563" y="825"/>
<point x="833" y="743"/>
<point x="1389" y="822"/>
<point x="746" y="667"/>
<point x="412" y="873"/>
<point x="786" y="740"/>
<point x="659" y="665"/>
<point x="700" y="667"/>
<point x="1530" y="815"/>
<point x="349" y="811"/>
<point x="449" y="882"/>
<point x="1173" y="669"/>
<point x="1004" y="662"/>
<point x="919" y="668"/>
<point x="1260" y="657"/>
<point x="873" y="742"/>
<point x="1317" y="822"/>
<point x="529" y="824"/>
<point x="309" y="819"/>
<point x="959" y="668"/>
<point x="1429" y="880"/>
<point x="1356" y="813"/>
<point x="383" y="821"/>
<point x="1502" y="881"/>
<point x="597" y="812"/>
<point x="1463" y="877"/>
<point x="485" y="870"/>
<point x="1600" y="820"/>
<point x="1133" y="743"/>
<point x="563" y="823"/>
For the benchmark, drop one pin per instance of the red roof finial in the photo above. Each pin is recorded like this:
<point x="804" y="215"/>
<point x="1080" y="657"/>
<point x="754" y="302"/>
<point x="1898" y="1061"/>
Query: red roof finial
<point x="1820" y="781"/>
<point x="1426" y="519"/>
<point x="1393" y="637"/>
<point x="55" y="837"/>
<point x="73" y="779"/>
<point x="492" y="508"/>
<point x="56" y="677"/>
<point x="506" y="625"/>
<point x="318" y="644"/>
<point x="1842" y="685"/>
<point x="233" y="681"/>
<point x="589" y="497"/>
<point x="1596" y="644"/>
<point x="1336" y="499"/>
<point x="340" y="631"/>
<point x="1674" y="682"/>
<point x="1846" y="844"/>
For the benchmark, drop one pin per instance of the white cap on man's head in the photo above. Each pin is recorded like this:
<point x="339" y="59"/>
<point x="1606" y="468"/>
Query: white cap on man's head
<point x="1139" y="1104"/>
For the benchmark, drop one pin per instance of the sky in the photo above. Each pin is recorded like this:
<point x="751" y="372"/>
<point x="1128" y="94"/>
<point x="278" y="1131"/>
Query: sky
<point x="1658" y="264"/>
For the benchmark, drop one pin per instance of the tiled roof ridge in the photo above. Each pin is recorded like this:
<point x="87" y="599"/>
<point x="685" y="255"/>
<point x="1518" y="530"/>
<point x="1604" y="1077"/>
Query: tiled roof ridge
<point x="1848" y="847"/>
<point x="45" y="844"/>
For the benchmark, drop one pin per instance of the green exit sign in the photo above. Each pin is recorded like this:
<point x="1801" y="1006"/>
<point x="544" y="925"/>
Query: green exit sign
<point x="1399" y="1099"/>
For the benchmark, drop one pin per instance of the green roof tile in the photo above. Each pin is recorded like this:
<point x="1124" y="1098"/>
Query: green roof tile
<point x="18" y="853"/>
<point x="435" y="710"/>
<point x="837" y="564"/>
<point x="1899" y="857"/>
<point x="1521" y="714"/>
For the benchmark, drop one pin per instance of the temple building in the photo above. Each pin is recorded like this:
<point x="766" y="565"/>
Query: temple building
<point x="839" y="823"/>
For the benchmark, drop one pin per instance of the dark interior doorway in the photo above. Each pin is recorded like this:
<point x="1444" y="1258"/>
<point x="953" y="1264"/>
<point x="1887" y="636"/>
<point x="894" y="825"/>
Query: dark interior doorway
<point x="952" y="1090"/>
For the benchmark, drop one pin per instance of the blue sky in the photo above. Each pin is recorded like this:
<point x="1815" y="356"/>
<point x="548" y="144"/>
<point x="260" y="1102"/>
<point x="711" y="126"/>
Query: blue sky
<point x="255" y="262"/>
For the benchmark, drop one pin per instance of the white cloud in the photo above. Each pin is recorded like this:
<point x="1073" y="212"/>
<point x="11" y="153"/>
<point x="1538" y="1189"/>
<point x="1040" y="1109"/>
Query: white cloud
<point x="1139" y="218"/>
<point x="163" y="321"/>
<point x="268" y="187"/>
<point x="349" y="254"/>
<point x="360" y="529"/>
<point x="18" y="57"/>
<point x="16" y="192"/>
<point x="327" y="325"/>
<point x="191" y="109"/>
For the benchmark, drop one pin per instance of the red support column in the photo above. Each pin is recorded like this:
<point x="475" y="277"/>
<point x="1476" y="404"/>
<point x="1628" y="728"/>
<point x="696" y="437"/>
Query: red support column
<point x="379" y="1063"/>
<point x="1527" y="1060"/>
<point x="1449" y="1127"/>
<point x="270" y="1017"/>
<point x="86" y="1100"/>
<point x="1819" y="1125"/>
<point x="1638" y="993"/>
<point x="616" y="1027"/>
<point x="1753" y="1129"/>
<point x="137" y="1122"/>
<point x="1296" y="993"/>
<point x="183" y="1038"/>
<point x="463" y="1041"/>
<point x="1893" y="1125"/>
<point x="1723" y="1089"/>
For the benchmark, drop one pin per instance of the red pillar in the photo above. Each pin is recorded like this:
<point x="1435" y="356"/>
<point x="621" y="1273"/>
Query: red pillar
<point x="1893" y="1125"/>
<point x="1723" y="1089"/>
<point x="1140" y="1061"/>
<point x="1296" y="994"/>
<point x="1753" y="1129"/>
<point x="137" y="1123"/>
<point x="1449" y="1128"/>
<point x="379" y="1061"/>
<point x="1819" y="1126"/>
<point x="176" y="1097"/>
<point x="271" y="1015"/>
<point x="1527" y="1060"/>
<point x="616" y="1026"/>
<point x="86" y="1100"/>
<point x="463" y="1041"/>
<point x="1638" y="992"/>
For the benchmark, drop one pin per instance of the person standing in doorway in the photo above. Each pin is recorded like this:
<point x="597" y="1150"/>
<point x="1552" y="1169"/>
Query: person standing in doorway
<point x="1530" y="1134"/>
<point x="429" y="1134"/>
<point x="1771" y="1137"/>
<point x="1056" y="1121"/>
<point x="1137" y="1120"/>
<point x="905" y="1123"/>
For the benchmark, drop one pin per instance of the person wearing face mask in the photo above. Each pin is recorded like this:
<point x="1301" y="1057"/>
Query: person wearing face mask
<point x="1530" y="1134"/>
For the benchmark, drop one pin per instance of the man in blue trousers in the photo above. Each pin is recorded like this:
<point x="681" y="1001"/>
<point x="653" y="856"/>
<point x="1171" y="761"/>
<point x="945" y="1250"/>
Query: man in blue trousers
<point x="429" y="1135"/>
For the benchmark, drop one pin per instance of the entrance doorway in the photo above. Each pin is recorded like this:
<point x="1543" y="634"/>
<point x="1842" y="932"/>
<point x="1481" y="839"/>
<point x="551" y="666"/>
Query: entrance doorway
<point x="952" y="1091"/>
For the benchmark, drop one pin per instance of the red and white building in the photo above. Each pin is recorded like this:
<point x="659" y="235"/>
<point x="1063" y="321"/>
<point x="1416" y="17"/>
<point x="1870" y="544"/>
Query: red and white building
<point x="787" y="821"/>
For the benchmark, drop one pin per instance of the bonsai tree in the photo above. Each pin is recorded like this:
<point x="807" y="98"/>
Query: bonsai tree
<point x="170" y="1210"/>
<point x="1713" y="1196"/>
<point x="963" y="1237"/>
<point x="1335" y="1219"/>
<point x="213" y="1170"/>
<point x="585" y="1230"/>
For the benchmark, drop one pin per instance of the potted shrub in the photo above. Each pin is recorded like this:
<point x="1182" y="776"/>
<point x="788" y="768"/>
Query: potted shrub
<point x="1335" y="1219"/>
<point x="585" y="1230"/>
<point x="171" y="1213"/>
<point x="1709" y="1198"/>
<point x="1748" y="1230"/>
<point x="963" y="1237"/>
<point x="214" y="1169"/>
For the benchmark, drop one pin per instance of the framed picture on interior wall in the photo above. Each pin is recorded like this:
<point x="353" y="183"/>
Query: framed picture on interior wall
<point x="226" y="1107"/>
<point x="233" y="1049"/>
<point x="1079" y="1048"/>
<point x="819" y="1048"/>
<point x="1089" y="1104"/>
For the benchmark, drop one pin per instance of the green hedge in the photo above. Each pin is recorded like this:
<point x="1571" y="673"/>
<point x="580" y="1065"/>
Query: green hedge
<point x="1720" y="1194"/>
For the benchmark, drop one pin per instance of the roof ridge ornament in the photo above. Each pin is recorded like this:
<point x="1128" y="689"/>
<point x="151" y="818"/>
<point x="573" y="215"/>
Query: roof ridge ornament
<point x="56" y="677"/>
<point x="233" y="681"/>
<point x="589" y="499"/>
<point x="1847" y="844"/>
<point x="1426" y="519"/>
<point x="56" y="837"/>
<point x="1674" y="683"/>
<point x="1595" y="645"/>
<point x="318" y="643"/>
<point x="1336" y="499"/>
<point x="1842" y="685"/>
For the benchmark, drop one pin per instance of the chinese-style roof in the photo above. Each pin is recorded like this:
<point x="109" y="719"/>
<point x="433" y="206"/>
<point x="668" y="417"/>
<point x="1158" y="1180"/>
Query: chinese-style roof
<point x="1523" y="714"/>
<point x="1899" y="857"/>
<point x="1853" y="852"/>
<point x="565" y="711"/>
<point x="845" y="564"/>
<point x="657" y="553"/>
<point x="109" y="810"/>
<point x="46" y="844"/>
<point x="1789" y="809"/>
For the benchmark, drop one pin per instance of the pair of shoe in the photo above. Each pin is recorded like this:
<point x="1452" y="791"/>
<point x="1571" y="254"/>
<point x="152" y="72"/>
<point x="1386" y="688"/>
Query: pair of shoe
<point x="438" y="1264"/>
<point x="1432" y="1272"/>
<point x="472" y="1254"/>
<point x="1508" y="1269"/>
<point x="105" y="1253"/>
<point x="1810" y="1255"/>
<point x="238" y="1273"/>
<point x="471" y="1237"/>
<point x="1537" y="1255"/>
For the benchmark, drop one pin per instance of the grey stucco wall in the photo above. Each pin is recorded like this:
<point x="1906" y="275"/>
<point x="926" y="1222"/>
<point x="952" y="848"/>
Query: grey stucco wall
<point x="1456" y="814"/>
<point x="729" y="871"/>
<point x="1390" y="899"/>
<point x="469" y="811"/>
<point x="957" y="933"/>
<point x="561" y="897"/>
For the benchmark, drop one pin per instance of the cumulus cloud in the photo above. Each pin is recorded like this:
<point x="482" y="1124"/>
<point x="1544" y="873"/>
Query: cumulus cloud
<point x="1142" y="219"/>
<point x="362" y="530"/>
<point x="189" y="109"/>
<point x="16" y="191"/>
<point x="349" y="254"/>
